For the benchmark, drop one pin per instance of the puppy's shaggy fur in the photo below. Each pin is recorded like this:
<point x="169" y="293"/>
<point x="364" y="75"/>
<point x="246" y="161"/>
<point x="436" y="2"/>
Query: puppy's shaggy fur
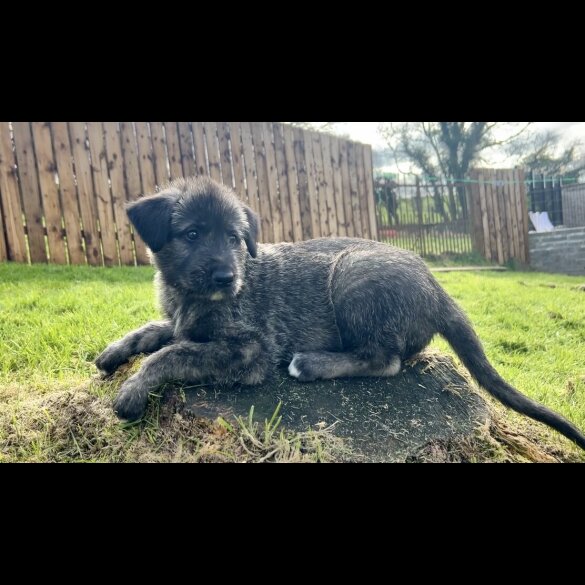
<point x="234" y="310"/>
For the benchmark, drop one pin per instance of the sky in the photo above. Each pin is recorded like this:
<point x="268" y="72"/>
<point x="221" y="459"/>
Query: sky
<point x="366" y="131"/>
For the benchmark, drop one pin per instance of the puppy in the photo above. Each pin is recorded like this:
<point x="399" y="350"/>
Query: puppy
<point x="235" y="310"/>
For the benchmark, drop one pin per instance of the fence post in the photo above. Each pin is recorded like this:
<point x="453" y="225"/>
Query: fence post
<point x="419" y="213"/>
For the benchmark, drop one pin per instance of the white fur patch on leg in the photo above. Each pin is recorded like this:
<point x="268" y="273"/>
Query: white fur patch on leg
<point x="393" y="367"/>
<point x="292" y="368"/>
<point x="217" y="296"/>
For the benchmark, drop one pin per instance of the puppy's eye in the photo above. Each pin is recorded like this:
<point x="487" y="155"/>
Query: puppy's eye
<point x="192" y="235"/>
<point x="233" y="240"/>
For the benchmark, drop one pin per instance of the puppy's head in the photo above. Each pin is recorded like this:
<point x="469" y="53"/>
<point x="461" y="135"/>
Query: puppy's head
<point x="199" y="233"/>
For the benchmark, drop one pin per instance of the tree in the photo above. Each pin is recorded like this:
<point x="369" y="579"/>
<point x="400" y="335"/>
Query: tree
<point x="445" y="151"/>
<point x="543" y="152"/>
<point x="317" y="126"/>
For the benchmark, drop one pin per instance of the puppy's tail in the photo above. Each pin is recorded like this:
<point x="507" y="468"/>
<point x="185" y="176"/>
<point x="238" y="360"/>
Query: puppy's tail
<point x="457" y="330"/>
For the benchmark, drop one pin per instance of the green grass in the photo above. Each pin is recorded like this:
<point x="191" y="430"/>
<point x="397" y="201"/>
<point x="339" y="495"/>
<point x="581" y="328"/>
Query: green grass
<point x="55" y="320"/>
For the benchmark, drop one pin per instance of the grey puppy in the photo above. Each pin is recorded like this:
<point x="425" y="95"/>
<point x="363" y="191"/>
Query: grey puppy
<point x="234" y="310"/>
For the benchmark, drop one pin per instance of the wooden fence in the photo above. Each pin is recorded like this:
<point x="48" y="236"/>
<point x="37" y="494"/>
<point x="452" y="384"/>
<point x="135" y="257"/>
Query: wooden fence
<point x="64" y="185"/>
<point x="499" y="214"/>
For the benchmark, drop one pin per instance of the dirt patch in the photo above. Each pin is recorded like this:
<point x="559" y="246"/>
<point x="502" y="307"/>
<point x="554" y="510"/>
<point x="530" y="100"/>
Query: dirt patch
<point x="78" y="426"/>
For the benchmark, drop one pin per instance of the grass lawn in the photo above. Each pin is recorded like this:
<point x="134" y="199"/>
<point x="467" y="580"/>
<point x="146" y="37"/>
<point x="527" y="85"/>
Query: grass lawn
<point x="55" y="320"/>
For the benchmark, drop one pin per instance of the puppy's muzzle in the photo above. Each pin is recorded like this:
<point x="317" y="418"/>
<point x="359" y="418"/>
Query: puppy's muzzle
<point x="222" y="278"/>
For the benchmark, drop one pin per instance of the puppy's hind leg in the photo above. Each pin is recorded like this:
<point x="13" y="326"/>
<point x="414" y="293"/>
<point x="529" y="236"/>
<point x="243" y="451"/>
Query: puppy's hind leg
<point x="326" y="365"/>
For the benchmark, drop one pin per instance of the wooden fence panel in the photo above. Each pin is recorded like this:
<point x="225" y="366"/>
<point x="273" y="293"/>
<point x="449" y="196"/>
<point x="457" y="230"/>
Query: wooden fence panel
<point x="64" y="186"/>
<point x="499" y="214"/>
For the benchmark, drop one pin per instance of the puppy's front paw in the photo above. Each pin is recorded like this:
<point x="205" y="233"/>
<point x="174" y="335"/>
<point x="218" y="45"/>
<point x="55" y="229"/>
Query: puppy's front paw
<point x="300" y="368"/>
<point x="130" y="404"/>
<point x="111" y="359"/>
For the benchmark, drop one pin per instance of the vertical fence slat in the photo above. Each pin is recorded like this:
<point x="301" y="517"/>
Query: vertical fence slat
<point x="502" y="213"/>
<point x="273" y="190"/>
<point x="69" y="197"/>
<point x="362" y="194"/>
<point x="250" y="167"/>
<point x="497" y="218"/>
<point x="85" y="195"/>
<point x="31" y="197"/>
<point x="491" y="214"/>
<point x="99" y="168"/>
<point x="354" y="193"/>
<point x="213" y="156"/>
<point x="371" y="201"/>
<point x="283" y="171"/>
<point x="328" y="184"/>
<point x="319" y="174"/>
<point x="523" y="215"/>
<point x="223" y="136"/>
<point x="235" y="131"/>
<point x="115" y="166"/>
<point x="483" y="198"/>
<point x="159" y="153"/>
<point x="3" y="244"/>
<point x="173" y="150"/>
<point x="506" y="190"/>
<point x="337" y="186"/>
<point x="145" y="158"/>
<point x="201" y="167"/>
<point x="514" y="193"/>
<point x="303" y="183"/>
<point x="186" y="145"/>
<point x="133" y="183"/>
<point x="292" y="179"/>
<point x="476" y="213"/>
<point x="46" y="169"/>
<point x="263" y="188"/>
<point x="11" y="206"/>
<point x="346" y="188"/>
<point x="313" y="197"/>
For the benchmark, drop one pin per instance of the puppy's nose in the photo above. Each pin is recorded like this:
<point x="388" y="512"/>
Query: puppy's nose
<point x="222" y="277"/>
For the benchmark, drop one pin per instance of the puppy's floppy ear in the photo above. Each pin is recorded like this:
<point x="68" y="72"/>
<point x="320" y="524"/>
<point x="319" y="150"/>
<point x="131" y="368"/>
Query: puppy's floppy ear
<point x="151" y="216"/>
<point x="252" y="232"/>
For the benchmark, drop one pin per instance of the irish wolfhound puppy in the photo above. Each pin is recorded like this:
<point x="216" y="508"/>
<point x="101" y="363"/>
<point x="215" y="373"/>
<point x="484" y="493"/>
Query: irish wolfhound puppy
<point x="234" y="310"/>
